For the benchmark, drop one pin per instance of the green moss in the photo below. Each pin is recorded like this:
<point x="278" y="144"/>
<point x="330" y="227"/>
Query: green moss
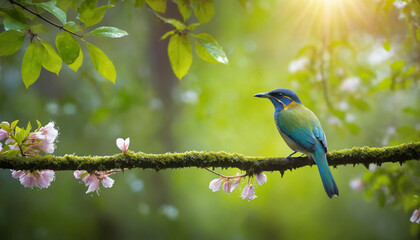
<point x="252" y="165"/>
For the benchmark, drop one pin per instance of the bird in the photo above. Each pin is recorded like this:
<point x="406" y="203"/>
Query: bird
<point x="302" y="132"/>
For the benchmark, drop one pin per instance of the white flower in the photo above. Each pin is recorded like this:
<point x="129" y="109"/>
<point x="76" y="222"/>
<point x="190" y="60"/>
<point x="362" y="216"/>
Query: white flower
<point x="334" y="121"/>
<point x="227" y="186"/>
<point x="298" y="64"/>
<point x="215" y="184"/>
<point x="350" y="84"/>
<point x="236" y="182"/>
<point x="373" y="167"/>
<point x="399" y="4"/>
<point x="356" y="184"/>
<point x="261" y="178"/>
<point x="415" y="217"/>
<point x="123" y="144"/>
<point x="350" y="117"/>
<point x="248" y="192"/>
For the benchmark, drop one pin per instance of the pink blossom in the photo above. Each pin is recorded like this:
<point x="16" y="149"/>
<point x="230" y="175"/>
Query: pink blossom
<point x="248" y="192"/>
<point x="215" y="184"/>
<point x="261" y="178"/>
<point x="3" y="134"/>
<point x="92" y="180"/>
<point x="45" y="178"/>
<point x="235" y="182"/>
<point x="17" y="174"/>
<point x="41" y="179"/>
<point x="12" y="146"/>
<point x="47" y="135"/>
<point x="123" y="144"/>
<point x="227" y="186"/>
<point x="0" y="147"/>
<point x="415" y="217"/>
<point x="356" y="184"/>
<point x="107" y="182"/>
<point x="50" y="132"/>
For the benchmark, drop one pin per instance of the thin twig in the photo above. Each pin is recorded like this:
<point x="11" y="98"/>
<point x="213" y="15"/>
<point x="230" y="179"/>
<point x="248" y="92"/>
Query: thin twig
<point x="46" y="20"/>
<point x="223" y="176"/>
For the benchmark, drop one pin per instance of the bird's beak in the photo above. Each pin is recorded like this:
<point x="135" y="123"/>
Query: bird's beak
<point x="261" y="95"/>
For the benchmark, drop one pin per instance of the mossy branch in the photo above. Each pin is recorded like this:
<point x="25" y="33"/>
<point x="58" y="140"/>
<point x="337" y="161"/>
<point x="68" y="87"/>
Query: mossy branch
<point x="357" y="155"/>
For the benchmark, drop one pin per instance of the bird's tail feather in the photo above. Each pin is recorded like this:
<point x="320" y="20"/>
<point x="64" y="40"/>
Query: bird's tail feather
<point x="325" y="172"/>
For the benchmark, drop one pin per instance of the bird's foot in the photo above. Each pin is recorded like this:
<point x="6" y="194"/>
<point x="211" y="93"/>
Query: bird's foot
<point x="290" y="157"/>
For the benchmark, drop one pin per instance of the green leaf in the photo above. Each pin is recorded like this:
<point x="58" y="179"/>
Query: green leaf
<point x="184" y="8"/>
<point x="397" y="65"/>
<point x="203" y="10"/>
<point x="102" y="63"/>
<point x="157" y="5"/>
<point x="354" y="128"/>
<point x="39" y="28"/>
<point x="68" y="48"/>
<point x="5" y="127"/>
<point x="139" y="3"/>
<point x="308" y="48"/>
<point x="54" y="10"/>
<point x="51" y="60"/>
<point x="13" y="20"/>
<point x="180" y="54"/>
<point x="167" y="34"/>
<point x="387" y="45"/>
<point x="111" y="32"/>
<point x="361" y="104"/>
<point x="418" y="34"/>
<point x="192" y="26"/>
<point x="31" y="64"/>
<point x="93" y="16"/>
<point x="28" y="127"/>
<point x="21" y="135"/>
<point x="39" y="124"/>
<point x="10" y="42"/>
<point x="72" y="26"/>
<point x="209" y="50"/>
<point x="411" y="111"/>
<point x="76" y="64"/>
<point x="177" y="24"/>
<point x="13" y="124"/>
<point x="385" y="84"/>
<point x="87" y="4"/>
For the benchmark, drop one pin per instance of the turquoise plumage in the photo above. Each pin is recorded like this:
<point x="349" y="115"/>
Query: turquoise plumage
<point x="302" y="132"/>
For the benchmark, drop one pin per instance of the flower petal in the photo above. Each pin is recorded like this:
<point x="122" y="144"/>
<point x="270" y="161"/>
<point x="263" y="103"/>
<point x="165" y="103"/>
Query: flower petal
<point x="3" y="134"/>
<point x="120" y="143"/>
<point x="248" y="192"/>
<point x="261" y="178"/>
<point x="215" y="184"/>
<point x="107" y="182"/>
<point x="227" y="186"/>
<point x="415" y="216"/>
<point x="17" y="174"/>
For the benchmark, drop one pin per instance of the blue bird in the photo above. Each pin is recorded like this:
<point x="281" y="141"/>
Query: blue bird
<point x="302" y="132"/>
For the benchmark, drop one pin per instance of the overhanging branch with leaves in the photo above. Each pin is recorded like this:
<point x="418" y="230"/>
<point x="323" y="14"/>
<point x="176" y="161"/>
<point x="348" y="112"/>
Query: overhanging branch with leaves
<point x="357" y="155"/>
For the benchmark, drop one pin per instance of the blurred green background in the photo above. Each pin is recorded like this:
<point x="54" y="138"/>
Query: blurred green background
<point x="212" y="109"/>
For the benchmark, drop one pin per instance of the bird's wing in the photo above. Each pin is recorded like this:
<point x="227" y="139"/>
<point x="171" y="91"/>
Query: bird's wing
<point x="302" y="126"/>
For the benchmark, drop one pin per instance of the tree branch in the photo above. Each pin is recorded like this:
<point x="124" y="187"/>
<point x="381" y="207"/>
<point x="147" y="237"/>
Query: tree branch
<point x="43" y="18"/>
<point x="357" y="155"/>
